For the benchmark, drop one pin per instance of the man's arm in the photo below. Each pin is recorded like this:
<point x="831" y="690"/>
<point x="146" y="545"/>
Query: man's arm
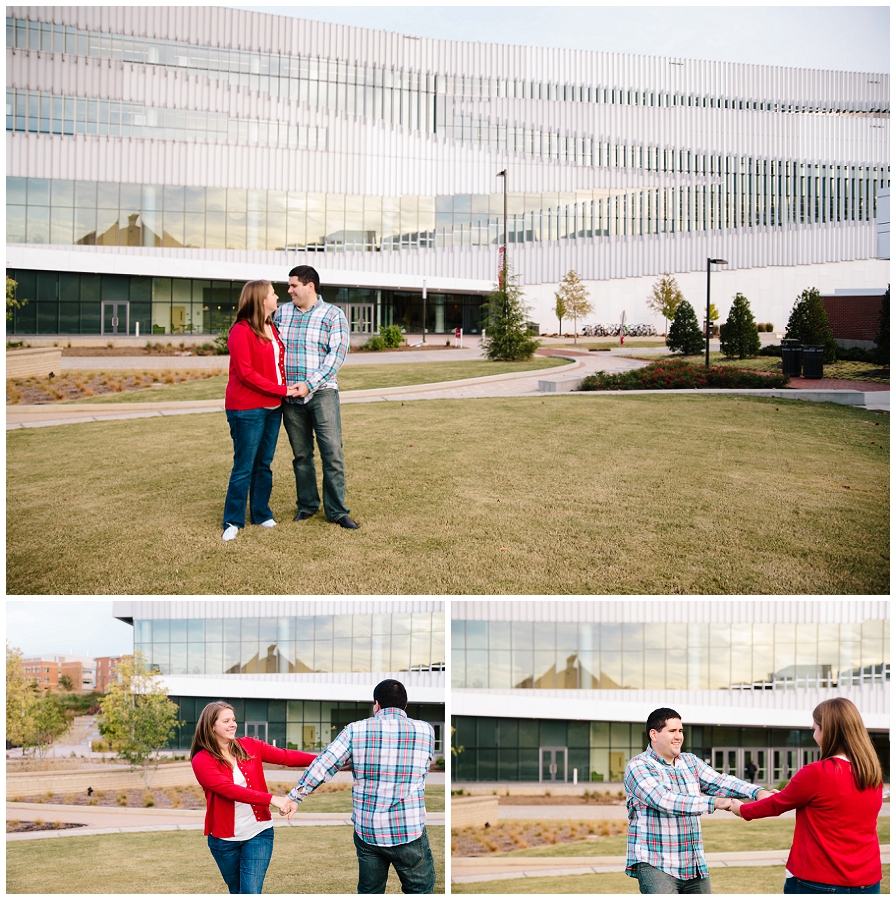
<point x="321" y="770"/>
<point x="641" y="783"/>
<point x="718" y="785"/>
<point x="337" y="348"/>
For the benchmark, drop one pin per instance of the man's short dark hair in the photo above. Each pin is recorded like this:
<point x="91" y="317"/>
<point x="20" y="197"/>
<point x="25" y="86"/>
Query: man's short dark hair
<point x="391" y="693"/>
<point x="306" y="275"/>
<point x="656" y="721"/>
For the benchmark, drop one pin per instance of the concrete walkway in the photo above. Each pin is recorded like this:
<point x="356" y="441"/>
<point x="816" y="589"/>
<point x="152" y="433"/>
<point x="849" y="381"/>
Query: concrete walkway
<point x="466" y="870"/>
<point x="582" y="363"/>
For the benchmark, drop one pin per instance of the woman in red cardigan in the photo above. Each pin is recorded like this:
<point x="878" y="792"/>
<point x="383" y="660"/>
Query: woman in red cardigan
<point x="237" y="819"/>
<point x="837" y="800"/>
<point x="255" y="390"/>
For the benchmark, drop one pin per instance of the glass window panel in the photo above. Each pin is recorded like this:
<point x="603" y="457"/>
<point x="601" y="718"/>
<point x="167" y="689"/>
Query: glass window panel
<point x="231" y="629"/>
<point x="421" y="621"/>
<point x="719" y="634"/>
<point x="477" y="669"/>
<point x="401" y="623"/>
<point x="161" y="659"/>
<point x="248" y="628"/>
<point x="544" y="636"/>
<point x="676" y="669"/>
<point x="342" y="655"/>
<point x="214" y="659"/>
<point x="785" y="633"/>
<point x="420" y="650"/>
<point x="589" y="636"/>
<point x="655" y="671"/>
<point x="850" y="631"/>
<point x="610" y="637"/>
<point x="305" y="628"/>
<point x="458" y="634"/>
<point x="178" y="630"/>
<point x="567" y="637"/>
<point x="379" y="653"/>
<point x="161" y="630"/>
<point x="195" y="630"/>
<point x="267" y="630"/>
<point x="632" y="636"/>
<point x="249" y="657"/>
<point x="231" y="657"/>
<point x="698" y="634"/>
<point x="477" y="635"/>
<point x="620" y="735"/>
<point x="342" y="626"/>
<point x="62" y="192"/>
<point x="545" y="670"/>
<point x="15" y="190"/>
<point x="304" y="656"/>
<point x="361" y="626"/>
<point x="610" y="669"/>
<point x="400" y="652"/>
<point x="698" y="668"/>
<point x="178" y="659"/>
<point x="785" y="659"/>
<point x="676" y="635"/>
<point x="361" y="654"/>
<point x="829" y="631"/>
<point x="499" y="670"/>
<point x="143" y="630"/>
<point x="438" y="647"/>
<point x="286" y="629"/>
<point x="719" y="667"/>
<point x="382" y="624"/>
<point x="633" y="669"/>
<point x="655" y="636"/>
<point x="458" y="668"/>
<point x="741" y="666"/>
<point x="522" y="668"/>
<point x="521" y="636"/>
<point x="38" y="225"/>
<point x="323" y="656"/>
<point x="763" y="662"/>
<point x="214" y="629"/>
<point x="38" y="191"/>
<point x="741" y="636"/>
<point x="61" y="225"/>
<point x="194" y="199"/>
<point x="323" y="628"/>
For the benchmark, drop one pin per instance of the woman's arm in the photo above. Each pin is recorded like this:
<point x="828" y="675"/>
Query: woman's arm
<point x="213" y="779"/>
<point x="297" y="759"/>
<point x="239" y="343"/>
<point x="800" y="791"/>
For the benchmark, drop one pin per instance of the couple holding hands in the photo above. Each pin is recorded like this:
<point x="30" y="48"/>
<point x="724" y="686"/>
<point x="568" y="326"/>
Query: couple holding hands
<point x="283" y="365"/>
<point x="837" y="801"/>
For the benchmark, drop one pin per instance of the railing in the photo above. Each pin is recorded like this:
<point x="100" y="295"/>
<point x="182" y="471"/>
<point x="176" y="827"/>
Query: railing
<point x="855" y="678"/>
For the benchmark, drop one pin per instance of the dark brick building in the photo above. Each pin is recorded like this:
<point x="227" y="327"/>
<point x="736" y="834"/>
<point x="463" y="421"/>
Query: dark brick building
<point x="853" y="315"/>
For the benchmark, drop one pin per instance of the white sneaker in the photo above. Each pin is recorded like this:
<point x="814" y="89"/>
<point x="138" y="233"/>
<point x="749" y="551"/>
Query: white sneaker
<point x="269" y="524"/>
<point x="230" y="532"/>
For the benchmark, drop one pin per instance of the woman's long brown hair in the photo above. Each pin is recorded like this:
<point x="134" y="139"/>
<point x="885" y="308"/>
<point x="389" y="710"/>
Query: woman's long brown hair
<point x="843" y="733"/>
<point x="205" y="738"/>
<point x="251" y="306"/>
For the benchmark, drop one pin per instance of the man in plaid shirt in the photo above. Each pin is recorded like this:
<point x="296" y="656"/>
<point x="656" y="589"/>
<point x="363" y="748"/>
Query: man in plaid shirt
<point x="667" y="793"/>
<point x="315" y="335"/>
<point x="390" y="756"/>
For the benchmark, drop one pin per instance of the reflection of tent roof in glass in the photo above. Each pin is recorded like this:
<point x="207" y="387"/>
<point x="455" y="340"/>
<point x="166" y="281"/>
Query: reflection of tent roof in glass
<point x="131" y="235"/>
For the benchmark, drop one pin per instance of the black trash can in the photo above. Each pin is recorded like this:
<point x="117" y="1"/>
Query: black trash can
<point x="813" y="360"/>
<point x="790" y="358"/>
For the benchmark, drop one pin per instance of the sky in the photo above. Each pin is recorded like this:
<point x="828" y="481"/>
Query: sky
<point x="849" y="38"/>
<point x="77" y="627"/>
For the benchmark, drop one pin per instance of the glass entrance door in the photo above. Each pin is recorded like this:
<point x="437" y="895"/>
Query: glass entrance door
<point x="360" y="318"/>
<point x="785" y="764"/>
<point x="552" y="763"/>
<point x="258" y="730"/>
<point x="115" y="317"/>
<point x="759" y="758"/>
<point x="727" y="760"/>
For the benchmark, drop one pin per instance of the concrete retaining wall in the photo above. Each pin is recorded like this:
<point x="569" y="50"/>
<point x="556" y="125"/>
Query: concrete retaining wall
<point x="38" y="361"/>
<point x="473" y="812"/>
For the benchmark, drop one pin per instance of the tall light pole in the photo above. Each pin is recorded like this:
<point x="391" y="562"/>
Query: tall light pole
<point x="709" y="264"/>
<point x="424" y="310"/>
<point x="503" y="174"/>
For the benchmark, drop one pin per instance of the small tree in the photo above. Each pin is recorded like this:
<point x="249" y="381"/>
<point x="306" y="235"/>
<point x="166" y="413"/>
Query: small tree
<point x="575" y="300"/>
<point x="882" y="341"/>
<point x="66" y="683"/>
<point x="665" y="297"/>
<point x="809" y="323"/>
<point x="559" y="310"/>
<point x="685" y="335"/>
<point x="20" y="698"/>
<point x="12" y="302"/>
<point x="139" y="719"/>
<point x="504" y="330"/>
<point x="48" y="722"/>
<point x="739" y="336"/>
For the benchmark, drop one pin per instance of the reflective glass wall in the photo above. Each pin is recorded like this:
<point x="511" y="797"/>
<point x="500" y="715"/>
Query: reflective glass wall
<point x="648" y="656"/>
<point x="309" y="725"/>
<point x="388" y="642"/>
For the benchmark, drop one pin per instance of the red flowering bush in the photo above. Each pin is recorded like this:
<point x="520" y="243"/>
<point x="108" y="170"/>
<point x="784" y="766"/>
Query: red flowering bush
<point x="672" y="374"/>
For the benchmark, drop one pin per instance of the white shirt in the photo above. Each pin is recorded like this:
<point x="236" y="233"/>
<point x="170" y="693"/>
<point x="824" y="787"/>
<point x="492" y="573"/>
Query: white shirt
<point x="245" y="825"/>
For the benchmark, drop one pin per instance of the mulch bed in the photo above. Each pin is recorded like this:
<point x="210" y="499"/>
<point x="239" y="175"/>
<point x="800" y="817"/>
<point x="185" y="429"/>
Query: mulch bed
<point x="506" y="837"/>
<point x="134" y="798"/>
<point x="594" y="799"/>
<point x="45" y="826"/>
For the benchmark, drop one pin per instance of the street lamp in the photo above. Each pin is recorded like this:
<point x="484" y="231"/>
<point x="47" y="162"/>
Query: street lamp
<point x="503" y="174"/>
<point x="709" y="264"/>
<point x="424" y="310"/>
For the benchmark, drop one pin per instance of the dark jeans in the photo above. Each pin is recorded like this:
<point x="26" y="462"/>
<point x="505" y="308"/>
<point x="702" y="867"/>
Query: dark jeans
<point x="801" y="886"/>
<point x="254" y="433"/>
<point x="414" y="865"/>
<point x="655" y="881"/>
<point x="318" y="418"/>
<point x="243" y="864"/>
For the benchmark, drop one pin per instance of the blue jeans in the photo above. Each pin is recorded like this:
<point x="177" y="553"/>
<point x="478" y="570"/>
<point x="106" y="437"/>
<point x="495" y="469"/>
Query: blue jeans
<point x="243" y="864"/>
<point x="318" y="418"/>
<point x="414" y="865"/>
<point x="254" y="433"/>
<point x="796" y="885"/>
<point x="654" y="881"/>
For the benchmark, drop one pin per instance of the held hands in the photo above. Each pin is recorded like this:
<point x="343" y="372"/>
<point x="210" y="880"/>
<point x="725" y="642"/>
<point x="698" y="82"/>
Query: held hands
<point x="288" y="808"/>
<point x="735" y="807"/>
<point x="763" y="793"/>
<point x="728" y="803"/>
<point x="297" y="390"/>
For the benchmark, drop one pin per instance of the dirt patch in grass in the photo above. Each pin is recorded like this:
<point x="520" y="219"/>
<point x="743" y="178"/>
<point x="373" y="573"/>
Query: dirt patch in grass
<point x="505" y="838"/>
<point x="20" y="827"/>
<point x="79" y="385"/>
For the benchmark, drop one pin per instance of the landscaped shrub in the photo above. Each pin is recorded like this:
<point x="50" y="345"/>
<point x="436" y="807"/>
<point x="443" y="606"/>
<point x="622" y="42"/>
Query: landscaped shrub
<point x="392" y="335"/>
<point x="739" y="335"/>
<point x="685" y="335"/>
<point x="374" y="342"/>
<point x="671" y="374"/>
<point x="857" y="354"/>
<point x="770" y="350"/>
<point x="882" y="350"/>
<point x="809" y="323"/>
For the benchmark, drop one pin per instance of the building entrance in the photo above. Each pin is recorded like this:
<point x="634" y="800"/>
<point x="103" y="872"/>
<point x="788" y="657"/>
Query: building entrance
<point x="258" y="730"/>
<point x="360" y="318"/>
<point x="552" y="763"/>
<point x="734" y="761"/>
<point x="115" y="317"/>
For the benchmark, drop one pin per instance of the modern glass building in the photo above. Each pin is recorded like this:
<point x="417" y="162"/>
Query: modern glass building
<point x="296" y="671"/>
<point x="158" y="157"/>
<point x="544" y="689"/>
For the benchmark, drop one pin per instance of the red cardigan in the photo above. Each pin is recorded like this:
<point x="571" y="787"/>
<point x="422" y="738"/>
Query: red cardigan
<point x="253" y="378"/>
<point x="220" y="791"/>
<point x="835" y="838"/>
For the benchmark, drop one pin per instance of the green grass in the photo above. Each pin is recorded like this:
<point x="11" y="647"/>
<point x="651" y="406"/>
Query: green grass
<point x="752" y="880"/>
<point x="341" y="801"/>
<point x="351" y="378"/>
<point x="650" y="494"/>
<point x="843" y="369"/>
<point x="722" y="836"/>
<point x="305" y="861"/>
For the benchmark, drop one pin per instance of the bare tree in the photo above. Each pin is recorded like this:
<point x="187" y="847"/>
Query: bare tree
<point x="576" y="300"/>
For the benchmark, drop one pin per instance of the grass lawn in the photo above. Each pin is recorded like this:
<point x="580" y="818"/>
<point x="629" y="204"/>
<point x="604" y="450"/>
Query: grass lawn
<point x="845" y="369"/>
<point x="647" y="494"/>
<point x="752" y="880"/>
<point x="305" y="861"/>
<point x="351" y="378"/>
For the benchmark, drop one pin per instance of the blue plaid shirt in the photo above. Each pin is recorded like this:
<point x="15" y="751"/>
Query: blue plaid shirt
<point x="665" y="802"/>
<point x="390" y="756"/>
<point x="316" y="343"/>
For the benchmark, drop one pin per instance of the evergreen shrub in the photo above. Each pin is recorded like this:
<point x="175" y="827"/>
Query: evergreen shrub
<point x="676" y="374"/>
